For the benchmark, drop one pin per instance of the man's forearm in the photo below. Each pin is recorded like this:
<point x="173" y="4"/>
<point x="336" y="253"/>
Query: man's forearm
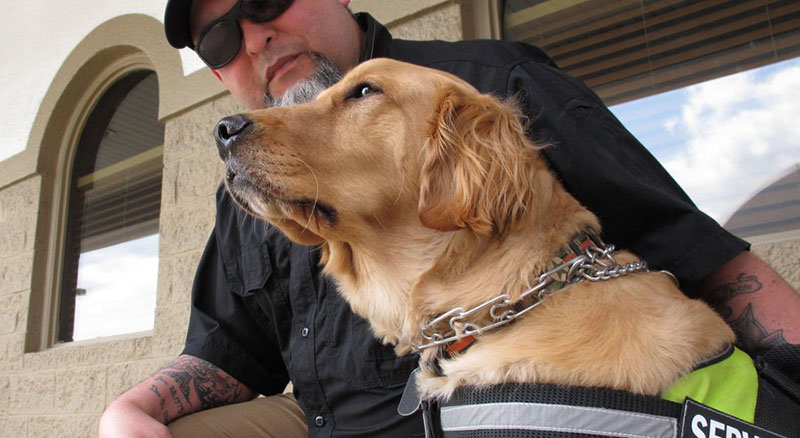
<point x="189" y="384"/>
<point x="761" y="307"/>
<point x="183" y="386"/>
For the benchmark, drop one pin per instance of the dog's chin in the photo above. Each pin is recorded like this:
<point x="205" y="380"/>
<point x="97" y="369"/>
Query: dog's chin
<point x="255" y="199"/>
<point x="301" y="218"/>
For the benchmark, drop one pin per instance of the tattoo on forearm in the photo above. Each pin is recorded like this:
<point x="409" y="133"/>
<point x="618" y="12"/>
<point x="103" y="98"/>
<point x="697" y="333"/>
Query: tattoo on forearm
<point x="177" y="401"/>
<point x="182" y="379"/>
<point x="752" y="336"/>
<point x="162" y="403"/>
<point x="164" y="414"/>
<point x="192" y="382"/>
<point x="744" y="284"/>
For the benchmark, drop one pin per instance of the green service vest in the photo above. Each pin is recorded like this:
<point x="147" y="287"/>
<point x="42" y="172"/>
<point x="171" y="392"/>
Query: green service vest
<point x="728" y="384"/>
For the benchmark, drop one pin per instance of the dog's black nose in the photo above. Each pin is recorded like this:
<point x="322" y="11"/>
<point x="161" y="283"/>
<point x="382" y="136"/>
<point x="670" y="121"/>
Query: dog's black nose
<point x="228" y="130"/>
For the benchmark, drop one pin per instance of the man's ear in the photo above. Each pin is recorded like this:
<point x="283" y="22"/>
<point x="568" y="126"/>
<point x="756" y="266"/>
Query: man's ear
<point x="216" y="74"/>
<point x="477" y="168"/>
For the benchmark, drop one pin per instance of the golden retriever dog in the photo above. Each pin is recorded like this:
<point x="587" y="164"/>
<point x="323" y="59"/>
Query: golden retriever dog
<point x="426" y="196"/>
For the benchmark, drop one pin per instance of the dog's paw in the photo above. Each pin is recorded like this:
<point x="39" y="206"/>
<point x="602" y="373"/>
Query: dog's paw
<point x="389" y="340"/>
<point x="402" y="349"/>
<point x="433" y="386"/>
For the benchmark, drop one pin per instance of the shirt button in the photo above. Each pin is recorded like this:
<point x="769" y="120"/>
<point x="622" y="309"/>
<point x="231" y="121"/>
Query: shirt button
<point x="304" y="332"/>
<point x="319" y="421"/>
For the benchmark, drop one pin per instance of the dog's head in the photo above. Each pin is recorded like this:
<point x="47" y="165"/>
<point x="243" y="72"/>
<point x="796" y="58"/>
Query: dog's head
<point x="380" y="169"/>
<point x="388" y="140"/>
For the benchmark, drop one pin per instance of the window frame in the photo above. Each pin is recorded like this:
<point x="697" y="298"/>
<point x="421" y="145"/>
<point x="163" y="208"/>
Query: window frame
<point x="91" y="140"/>
<point x="85" y="90"/>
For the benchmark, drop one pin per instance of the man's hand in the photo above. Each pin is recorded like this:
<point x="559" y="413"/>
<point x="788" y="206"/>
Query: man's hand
<point x="760" y="306"/>
<point x="183" y="386"/>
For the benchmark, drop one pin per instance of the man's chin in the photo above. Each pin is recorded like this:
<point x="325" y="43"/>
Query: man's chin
<point x="309" y="74"/>
<point x="279" y="87"/>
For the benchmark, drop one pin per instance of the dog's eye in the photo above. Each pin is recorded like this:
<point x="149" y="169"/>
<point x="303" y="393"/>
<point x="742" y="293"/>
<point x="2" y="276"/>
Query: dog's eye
<point x="363" y="90"/>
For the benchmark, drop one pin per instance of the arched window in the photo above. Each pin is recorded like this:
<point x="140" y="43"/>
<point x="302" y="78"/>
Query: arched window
<point x="110" y="265"/>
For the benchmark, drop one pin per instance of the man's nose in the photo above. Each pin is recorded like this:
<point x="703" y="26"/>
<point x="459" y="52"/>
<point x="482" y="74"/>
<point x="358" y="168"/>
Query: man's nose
<point x="256" y="37"/>
<point x="228" y="131"/>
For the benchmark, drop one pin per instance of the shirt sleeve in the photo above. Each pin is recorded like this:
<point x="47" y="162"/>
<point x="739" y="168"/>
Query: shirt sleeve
<point x="222" y="327"/>
<point x="641" y="208"/>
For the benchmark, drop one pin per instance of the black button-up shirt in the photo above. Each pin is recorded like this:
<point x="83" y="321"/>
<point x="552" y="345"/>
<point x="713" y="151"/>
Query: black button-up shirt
<point x="262" y="311"/>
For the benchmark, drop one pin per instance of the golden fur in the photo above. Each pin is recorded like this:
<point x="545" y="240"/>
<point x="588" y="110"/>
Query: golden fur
<point x="426" y="195"/>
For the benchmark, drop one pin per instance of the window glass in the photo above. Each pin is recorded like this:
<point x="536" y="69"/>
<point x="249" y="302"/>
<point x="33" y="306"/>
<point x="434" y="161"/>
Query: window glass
<point x="115" y="281"/>
<point x="111" y="252"/>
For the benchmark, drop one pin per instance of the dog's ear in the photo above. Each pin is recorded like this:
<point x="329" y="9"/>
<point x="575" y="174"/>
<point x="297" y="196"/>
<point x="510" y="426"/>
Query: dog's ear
<point x="476" y="166"/>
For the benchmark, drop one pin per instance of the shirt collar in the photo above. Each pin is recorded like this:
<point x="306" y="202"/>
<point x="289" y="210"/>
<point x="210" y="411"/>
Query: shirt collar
<point x="376" y="37"/>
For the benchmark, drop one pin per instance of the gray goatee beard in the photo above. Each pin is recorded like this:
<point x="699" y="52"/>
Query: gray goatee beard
<point x="325" y="75"/>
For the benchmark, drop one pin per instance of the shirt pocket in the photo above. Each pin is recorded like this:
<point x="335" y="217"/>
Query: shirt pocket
<point x="251" y="276"/>
<point x="248" y="270"/>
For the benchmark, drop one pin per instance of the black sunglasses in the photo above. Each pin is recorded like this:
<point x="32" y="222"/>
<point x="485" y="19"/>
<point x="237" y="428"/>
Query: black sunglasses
<point x="221" y="40"/>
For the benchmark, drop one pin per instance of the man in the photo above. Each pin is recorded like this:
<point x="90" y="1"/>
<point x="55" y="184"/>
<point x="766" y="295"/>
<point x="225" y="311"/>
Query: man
<point x="262" y="314"/>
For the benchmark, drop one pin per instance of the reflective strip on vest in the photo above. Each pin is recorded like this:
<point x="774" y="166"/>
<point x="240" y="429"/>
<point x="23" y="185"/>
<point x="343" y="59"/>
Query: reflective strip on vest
<point x="557" y="418"/>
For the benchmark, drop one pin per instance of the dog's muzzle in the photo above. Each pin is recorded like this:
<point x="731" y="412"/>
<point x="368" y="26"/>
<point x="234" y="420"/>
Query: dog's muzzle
<point x="228" y="131"/>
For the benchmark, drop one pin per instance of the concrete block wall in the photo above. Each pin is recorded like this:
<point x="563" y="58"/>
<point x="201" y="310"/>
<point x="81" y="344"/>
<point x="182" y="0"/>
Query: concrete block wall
<point x="783" y="256"/>
<point x="18" y="214"/>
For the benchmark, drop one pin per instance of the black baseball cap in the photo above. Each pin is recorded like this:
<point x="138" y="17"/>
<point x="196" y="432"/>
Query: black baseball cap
<point x="176" y="23"/>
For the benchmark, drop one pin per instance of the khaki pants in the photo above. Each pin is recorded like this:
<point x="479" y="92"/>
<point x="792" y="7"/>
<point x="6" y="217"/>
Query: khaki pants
<point x="277" y="416"/>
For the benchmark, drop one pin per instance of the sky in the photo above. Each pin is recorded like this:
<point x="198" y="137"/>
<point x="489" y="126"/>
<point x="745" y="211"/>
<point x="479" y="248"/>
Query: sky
<point x="725" y="139"/>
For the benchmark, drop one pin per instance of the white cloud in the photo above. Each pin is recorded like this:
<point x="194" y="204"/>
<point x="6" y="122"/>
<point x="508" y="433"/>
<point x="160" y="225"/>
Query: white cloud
<point x="120" y="283"/>
<point x="743" y="133"/>
<point x="670" y="124"/>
